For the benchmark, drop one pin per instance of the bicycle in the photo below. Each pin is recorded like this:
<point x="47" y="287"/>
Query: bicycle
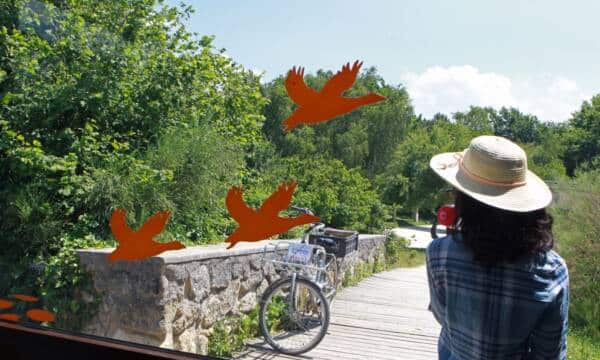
<point x="295" y="310"/>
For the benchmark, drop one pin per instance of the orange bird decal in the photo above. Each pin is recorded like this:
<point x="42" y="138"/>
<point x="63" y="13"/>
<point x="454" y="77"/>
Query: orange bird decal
<point x="40" y="315"/>
<point x="5" y="304"/>
<point x="26" y="298"/>
<point x="316" y="107"/>
<point x="137" y="245"/>
<point x="259" y="224"/>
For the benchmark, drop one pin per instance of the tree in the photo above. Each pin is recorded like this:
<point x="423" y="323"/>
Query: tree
<point x="407" y="180"/>
<point x="583" y="137"/>
<point x="364" y="138"/>
<point x="516" y="126"/>
<point x="477" y="118"/>
<point x="341" y="197"/>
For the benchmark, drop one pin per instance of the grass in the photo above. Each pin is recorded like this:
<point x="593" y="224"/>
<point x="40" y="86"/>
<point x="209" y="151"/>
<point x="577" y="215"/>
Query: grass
<point x="582" y="346"/>
<point x="396" y="255"/>
<point x="576" y="230"/>
<point x="405" y="221"/>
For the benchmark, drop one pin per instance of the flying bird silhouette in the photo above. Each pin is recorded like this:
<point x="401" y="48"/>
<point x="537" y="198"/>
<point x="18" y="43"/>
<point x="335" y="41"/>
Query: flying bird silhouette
<point x="262" y="223"/>
<point x="316" y="107"/>
<point x="137" y="245"/>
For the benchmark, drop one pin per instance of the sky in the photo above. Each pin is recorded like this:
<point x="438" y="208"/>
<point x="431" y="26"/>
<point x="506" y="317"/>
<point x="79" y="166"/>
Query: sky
<point x="542" y="57"/>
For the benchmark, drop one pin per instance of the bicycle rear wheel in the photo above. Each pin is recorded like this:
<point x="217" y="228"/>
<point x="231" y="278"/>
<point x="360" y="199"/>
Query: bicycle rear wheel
<point x="294" y="324"/>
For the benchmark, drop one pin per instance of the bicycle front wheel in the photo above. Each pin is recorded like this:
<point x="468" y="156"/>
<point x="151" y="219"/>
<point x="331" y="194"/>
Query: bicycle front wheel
<point x="294" y="321"/>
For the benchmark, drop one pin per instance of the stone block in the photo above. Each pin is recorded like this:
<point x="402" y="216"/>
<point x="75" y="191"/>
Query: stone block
<point x="252" y="280"/>
<point x="220" y="273"/>
<point x="239" y="267"/>
<point x="229" y="297"/>
<point x="248" y="302"/>
<point x="210" y="311"/>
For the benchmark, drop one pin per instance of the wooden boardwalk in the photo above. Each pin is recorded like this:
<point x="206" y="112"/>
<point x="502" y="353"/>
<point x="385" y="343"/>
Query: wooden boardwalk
<point x="384" y="317"/>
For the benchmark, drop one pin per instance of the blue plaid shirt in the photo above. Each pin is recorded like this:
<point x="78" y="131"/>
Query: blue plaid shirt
<point x="508" y="311"/>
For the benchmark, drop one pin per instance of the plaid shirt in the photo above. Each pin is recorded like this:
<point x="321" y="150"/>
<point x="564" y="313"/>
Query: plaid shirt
<point x="508" y="311"/>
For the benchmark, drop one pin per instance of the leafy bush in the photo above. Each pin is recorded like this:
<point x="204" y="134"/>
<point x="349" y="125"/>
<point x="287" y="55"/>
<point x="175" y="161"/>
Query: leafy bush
<point x="397" y="253"/>
<point x="230" y="334"/>
<point x="188" y="172"/>
<point x="341" y="197"/>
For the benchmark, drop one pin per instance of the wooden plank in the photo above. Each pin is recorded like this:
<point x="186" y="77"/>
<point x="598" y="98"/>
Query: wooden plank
<point x="384" y="317"/>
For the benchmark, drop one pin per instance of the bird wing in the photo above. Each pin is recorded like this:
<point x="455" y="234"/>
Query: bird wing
<point x="119" y="228"/>
<point x="297" y="90"/>
<point x="153" y="226"/>
<point x="342" y="80"/>
<point x="236" y="205"/>
<point x="279" y="200"/>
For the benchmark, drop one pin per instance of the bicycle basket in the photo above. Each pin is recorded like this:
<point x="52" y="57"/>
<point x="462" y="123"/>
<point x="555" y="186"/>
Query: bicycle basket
<point x="295" y="257"/>
<point x="336" y="241"/>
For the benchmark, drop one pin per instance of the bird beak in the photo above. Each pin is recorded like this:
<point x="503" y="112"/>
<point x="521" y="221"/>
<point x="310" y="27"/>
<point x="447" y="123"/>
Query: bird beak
<point x="314" y="218"/>
<point x="379" y="97"/>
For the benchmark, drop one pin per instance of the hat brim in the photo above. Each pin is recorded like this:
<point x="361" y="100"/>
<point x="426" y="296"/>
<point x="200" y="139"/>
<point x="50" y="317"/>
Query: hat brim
<point x="534" y="195"/>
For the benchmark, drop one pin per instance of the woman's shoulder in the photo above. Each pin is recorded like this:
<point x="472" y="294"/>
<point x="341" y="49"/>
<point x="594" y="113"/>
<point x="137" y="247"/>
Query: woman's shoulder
<point x="555" y="260"/>
<point x="448" y="246"/>
<point x="550" y="265"/>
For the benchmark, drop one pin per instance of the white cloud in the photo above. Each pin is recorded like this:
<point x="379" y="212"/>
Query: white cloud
<point x="455" y="88"/>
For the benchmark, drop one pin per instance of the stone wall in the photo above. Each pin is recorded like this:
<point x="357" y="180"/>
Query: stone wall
<point x="173" y="300"/>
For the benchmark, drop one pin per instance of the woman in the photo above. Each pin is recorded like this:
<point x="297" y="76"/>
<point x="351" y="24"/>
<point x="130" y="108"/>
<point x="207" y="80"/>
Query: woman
<point x="497" y="288"/>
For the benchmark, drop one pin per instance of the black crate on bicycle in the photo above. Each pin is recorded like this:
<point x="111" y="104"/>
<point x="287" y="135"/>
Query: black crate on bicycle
<point x="336" y="241"/>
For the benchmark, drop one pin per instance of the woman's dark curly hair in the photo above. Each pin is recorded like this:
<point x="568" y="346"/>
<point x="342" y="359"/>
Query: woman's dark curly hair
<point x="497" y="235"/>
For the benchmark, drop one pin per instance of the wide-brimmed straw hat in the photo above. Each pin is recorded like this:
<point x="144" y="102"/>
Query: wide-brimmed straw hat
<point x="493" y="170"/>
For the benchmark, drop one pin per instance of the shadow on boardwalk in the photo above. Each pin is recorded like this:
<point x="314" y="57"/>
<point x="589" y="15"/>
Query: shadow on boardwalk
<point x="383" y="317"/>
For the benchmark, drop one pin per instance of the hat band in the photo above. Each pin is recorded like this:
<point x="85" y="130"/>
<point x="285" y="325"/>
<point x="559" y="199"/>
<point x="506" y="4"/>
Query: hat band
<point x="459" y="157"/>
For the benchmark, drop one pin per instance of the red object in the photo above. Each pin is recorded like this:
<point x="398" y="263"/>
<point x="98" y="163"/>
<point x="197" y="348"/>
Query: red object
<point x="446" y="215"/>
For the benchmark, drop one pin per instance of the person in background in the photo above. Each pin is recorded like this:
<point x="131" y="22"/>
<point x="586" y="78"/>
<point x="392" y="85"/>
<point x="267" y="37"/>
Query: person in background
<point x="497" y="288"/>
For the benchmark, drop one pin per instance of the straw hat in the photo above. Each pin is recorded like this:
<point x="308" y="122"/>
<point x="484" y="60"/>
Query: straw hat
<point x="493" y="170"/>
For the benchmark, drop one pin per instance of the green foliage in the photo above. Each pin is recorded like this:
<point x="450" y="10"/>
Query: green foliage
<point x="341" y="197"/>
<point x="544" y="160"/>
<point x="353" y="276"/>
<point x="66" y="288"/>
<point x="396" y="254"/>
<point x="362" y="139"/>
<point x="188" y="172"/>
<point x="477" y="118"/>
<point x="407" y="179"/>
<point x="577" y="229"/>
<point x="583" y="137"/>
<point x="512" y="124"/>
<point x="394" y="247"/>
<point x="112" y="104"/>
<point x="230" y="334"/>
<point x="277" y="313"/>
<point x="582" y="346"/>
